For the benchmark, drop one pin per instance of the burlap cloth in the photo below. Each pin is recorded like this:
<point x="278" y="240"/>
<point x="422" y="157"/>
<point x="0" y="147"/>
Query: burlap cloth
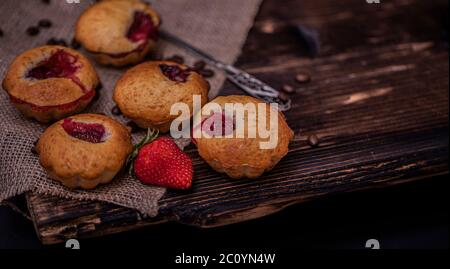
<point x="219" y="27"/>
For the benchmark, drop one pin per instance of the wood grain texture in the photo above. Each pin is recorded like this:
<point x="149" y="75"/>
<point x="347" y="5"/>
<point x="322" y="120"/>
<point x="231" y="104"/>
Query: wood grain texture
<point x="378" y="101"/>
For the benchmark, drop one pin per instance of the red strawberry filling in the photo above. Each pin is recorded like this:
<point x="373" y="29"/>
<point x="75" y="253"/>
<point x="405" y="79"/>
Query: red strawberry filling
<point x="142" y="28"/>
<point x="89" y="132"/>
<point x="218" y="124"/>
<point x="60" y="65"/>
<point x="174" y="72"/>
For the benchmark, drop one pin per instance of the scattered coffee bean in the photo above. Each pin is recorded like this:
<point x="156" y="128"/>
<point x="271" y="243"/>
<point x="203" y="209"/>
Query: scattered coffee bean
<point x="207" y="73"/>
<point x="177" y="59"/>
<point x="45" y="1"/>
<point x="133" y="127"/>
<point x="32" y="31"/>
<point x="62" y="42"/>
<point x="1" y="33"/>
<point x="199" y="65"/>
<point x="52" y="41"/>
<point x="283" y="97"/>
<point x="268" y="27"/>
<point x="45" y="23"/>
<point x="302" y="78"/>
<point x="313" y="140"/>
<point x="116" y="111"/>
<point x="56" y="41"/>
<point x="75" y="44"/>
<point x="288" y="89"/>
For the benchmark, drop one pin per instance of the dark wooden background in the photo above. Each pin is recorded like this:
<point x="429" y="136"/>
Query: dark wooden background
<point x="378" y="100"/>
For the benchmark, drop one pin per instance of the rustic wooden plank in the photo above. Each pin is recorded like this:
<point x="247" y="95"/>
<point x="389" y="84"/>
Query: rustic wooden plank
<point x="378" y="100"/>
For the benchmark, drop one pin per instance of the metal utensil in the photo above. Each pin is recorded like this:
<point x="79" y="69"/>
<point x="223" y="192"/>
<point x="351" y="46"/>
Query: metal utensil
<point x="242" y="79"/>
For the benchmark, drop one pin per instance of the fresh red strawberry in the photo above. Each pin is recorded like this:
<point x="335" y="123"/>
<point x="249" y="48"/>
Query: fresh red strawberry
<point x="160" y="162"/>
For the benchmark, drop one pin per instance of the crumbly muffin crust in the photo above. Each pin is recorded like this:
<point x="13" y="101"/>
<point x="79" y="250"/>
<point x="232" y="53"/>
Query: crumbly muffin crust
<point x="51" y="98"/>
<point x="243" y="157"/>
<point x="102" y="30"/>
<point x="145" y="95"/>
<point x="80" y="164"/>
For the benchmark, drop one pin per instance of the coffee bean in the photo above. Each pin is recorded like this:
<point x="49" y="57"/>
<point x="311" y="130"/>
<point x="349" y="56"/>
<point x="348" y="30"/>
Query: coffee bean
<point x="177" y="59"/>
<point x="52" y="41"/>
<point x="313" y="140"/>
<point x="207" y="73"/>
<point x="288" y="89"/>
<point x="45" y="23"/>
<point x="303" y="78"/>
<point x="75" y="44"/>
<point x="1" y="33"/>
<point x="45" y="1"/>
<point x="56" y="41"/>
<point x="62" y="42"/>
<point x="32" y="31"/>
<point x="133" y="126"/>
<point x="268" y="27"/>
<point x="116" y="111"/>
<point x="199" y="65"/>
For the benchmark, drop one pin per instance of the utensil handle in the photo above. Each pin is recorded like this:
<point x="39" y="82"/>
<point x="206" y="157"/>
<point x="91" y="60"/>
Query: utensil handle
<point x="243" y="80"/>
<point x="256" y="87"/>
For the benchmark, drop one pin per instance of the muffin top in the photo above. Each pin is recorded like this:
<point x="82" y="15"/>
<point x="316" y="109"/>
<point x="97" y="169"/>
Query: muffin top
<point x="222" y="146"/>
<point x="116" y="27"/>
<point x="85" y="146"/>
<point x="148" y="91"/>
<point x="50" y="76"/>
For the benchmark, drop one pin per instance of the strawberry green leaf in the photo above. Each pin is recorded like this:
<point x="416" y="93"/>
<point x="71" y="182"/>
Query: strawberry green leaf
<point x="151" y="135"/>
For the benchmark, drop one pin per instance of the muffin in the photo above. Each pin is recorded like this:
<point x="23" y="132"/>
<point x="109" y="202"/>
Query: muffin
<point x="226" y="142"/>
<point x="118" y="32"/>
<point x="85" y="150"/>
<point x="146" y="92"/>
<point x="50" y="83"/>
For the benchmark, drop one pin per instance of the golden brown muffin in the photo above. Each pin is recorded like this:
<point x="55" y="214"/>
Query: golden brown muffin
<point x="51" y="82"/>
<point x="118" y="32"/>
<point x="85" y="150"/>
<point x="146" y="92"/>
<point x="242" y="156"/>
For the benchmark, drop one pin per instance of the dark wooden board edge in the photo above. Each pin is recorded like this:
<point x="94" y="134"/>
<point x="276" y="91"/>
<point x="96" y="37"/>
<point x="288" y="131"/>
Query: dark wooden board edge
<point x="47" y="235"/>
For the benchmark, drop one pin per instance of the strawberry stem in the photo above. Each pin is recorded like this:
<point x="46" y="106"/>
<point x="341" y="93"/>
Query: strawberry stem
<point x="151" y="135"/>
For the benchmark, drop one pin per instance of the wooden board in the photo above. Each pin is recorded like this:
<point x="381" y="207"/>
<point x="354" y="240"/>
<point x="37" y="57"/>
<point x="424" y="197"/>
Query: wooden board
<point x="378" y="100"/>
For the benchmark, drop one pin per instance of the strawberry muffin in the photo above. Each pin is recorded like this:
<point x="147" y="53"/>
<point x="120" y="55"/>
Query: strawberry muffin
<point x="118" y="32"/>
<point x="51" y="82"/>
<point x="85" y="150"/>
<point x="243" y="140"/>
<point x="146" y="92"/>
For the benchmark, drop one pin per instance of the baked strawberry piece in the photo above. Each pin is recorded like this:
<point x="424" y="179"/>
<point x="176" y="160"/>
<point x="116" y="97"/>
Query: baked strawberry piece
<point x="50" y="82"/>
<point x="85" y="150"/>
<point x="89" y="132"/>
<point x="233" y="143"/>
<point x="147" y="92"/>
